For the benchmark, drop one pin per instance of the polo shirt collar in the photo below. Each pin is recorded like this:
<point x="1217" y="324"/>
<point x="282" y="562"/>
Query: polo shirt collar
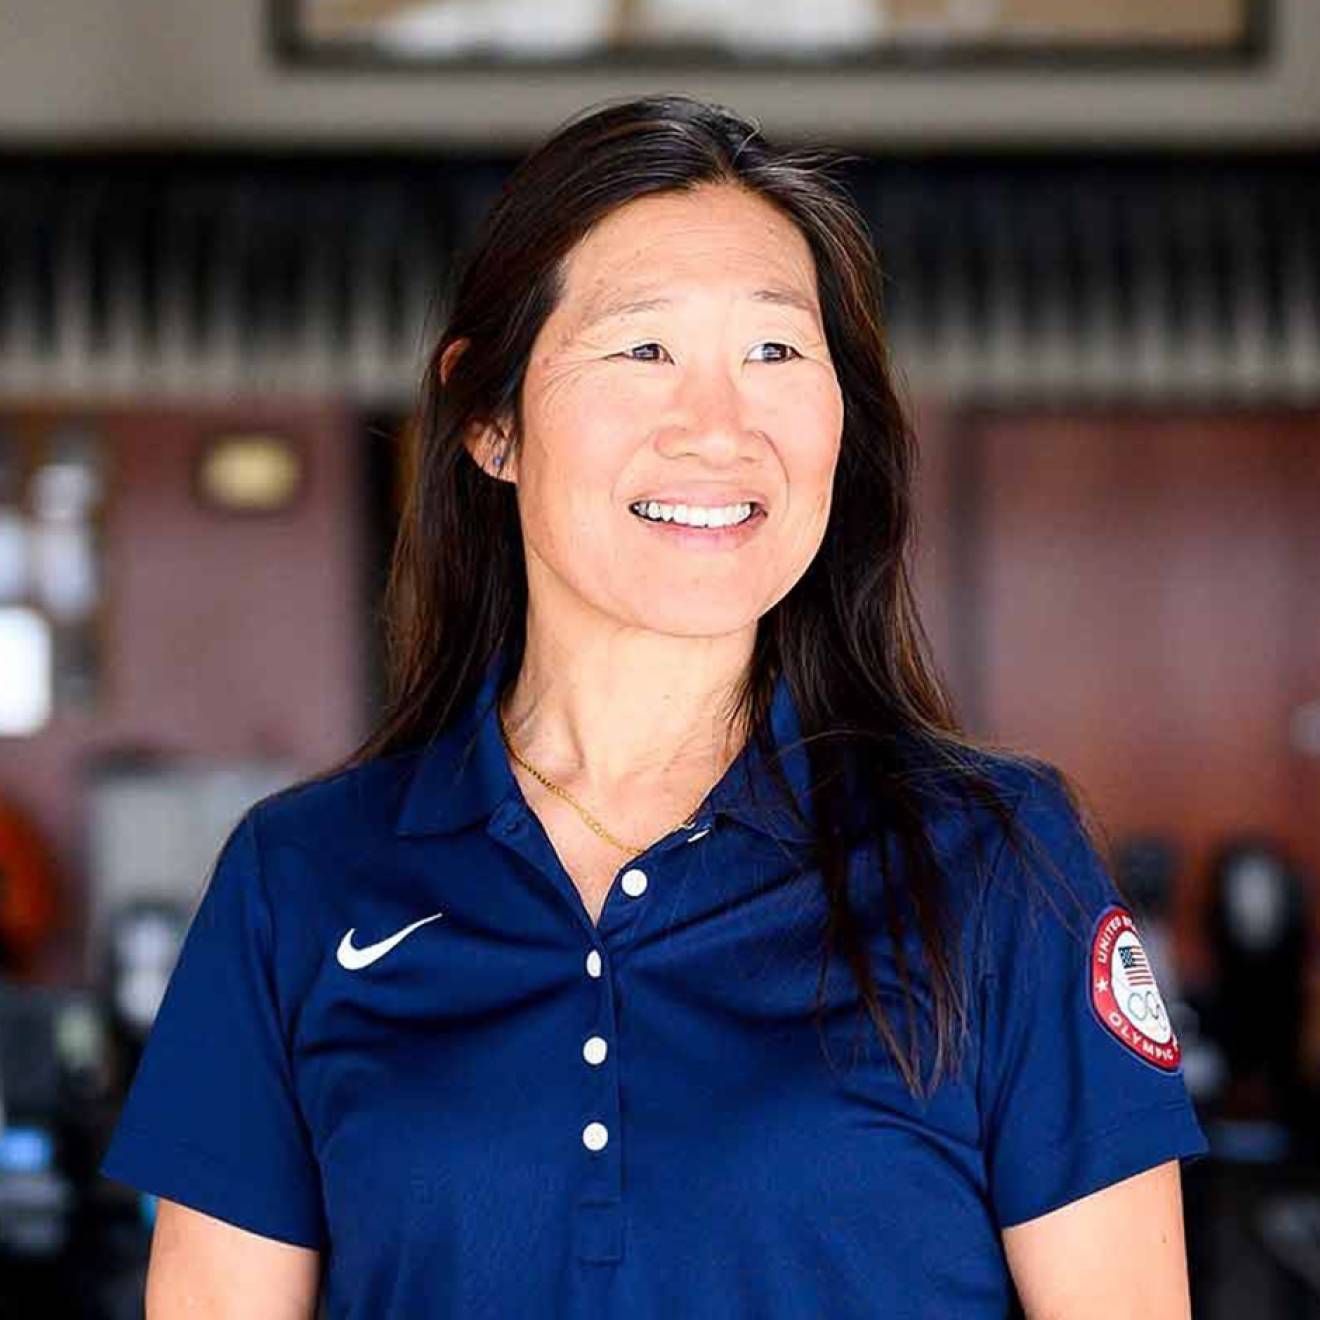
<point x="464" y="775"/>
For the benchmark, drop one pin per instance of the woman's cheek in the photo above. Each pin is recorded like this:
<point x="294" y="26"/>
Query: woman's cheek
<point x="811" y="397"/>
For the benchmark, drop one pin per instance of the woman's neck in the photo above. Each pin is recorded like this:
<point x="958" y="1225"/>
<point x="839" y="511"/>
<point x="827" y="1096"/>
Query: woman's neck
<point x="611" y="722"/>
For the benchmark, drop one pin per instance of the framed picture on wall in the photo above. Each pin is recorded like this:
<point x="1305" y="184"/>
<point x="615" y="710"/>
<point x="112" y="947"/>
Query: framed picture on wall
<point x="698" y="34"/>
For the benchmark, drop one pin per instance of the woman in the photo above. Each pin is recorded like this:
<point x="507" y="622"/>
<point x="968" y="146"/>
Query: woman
<point x="666" y="951"/>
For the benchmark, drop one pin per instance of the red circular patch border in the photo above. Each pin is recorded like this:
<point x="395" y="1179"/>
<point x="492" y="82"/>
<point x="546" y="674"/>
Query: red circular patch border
<point x="1115" y="919"/>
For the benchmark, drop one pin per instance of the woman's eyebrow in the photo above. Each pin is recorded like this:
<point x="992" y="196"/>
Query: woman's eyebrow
<point x="626" y="305"/>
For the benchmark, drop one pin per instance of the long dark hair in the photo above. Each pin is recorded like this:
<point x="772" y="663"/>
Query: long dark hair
<point x="847" y="636"/>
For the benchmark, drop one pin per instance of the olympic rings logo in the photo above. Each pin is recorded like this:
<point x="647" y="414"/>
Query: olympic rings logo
<point x="1143" y="1005"/>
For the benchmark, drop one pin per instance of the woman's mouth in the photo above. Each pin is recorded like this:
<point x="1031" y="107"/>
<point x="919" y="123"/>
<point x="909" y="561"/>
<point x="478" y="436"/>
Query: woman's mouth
<point x="714" y="527"/>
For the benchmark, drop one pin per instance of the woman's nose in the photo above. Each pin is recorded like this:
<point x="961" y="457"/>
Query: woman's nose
<point x="713" y="409"/>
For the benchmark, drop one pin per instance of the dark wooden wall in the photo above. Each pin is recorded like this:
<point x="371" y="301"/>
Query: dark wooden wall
<point x="225" y="637"/>
<point x="1136" y="597"/>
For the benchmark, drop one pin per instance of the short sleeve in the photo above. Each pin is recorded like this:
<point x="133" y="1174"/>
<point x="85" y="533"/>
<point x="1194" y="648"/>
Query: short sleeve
<point x="211" y="1118"/>
<point x="1080" y="1083"/>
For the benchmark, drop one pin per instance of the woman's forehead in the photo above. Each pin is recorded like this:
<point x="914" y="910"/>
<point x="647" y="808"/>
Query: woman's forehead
<point x="652" y="260"/>
<point x="668" y="224"/>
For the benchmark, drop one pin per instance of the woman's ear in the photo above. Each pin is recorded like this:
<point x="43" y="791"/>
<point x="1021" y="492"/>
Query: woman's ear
<point x="493" y="453"/>
<point x="449" y="357"/>
<point x="488" y="445"/>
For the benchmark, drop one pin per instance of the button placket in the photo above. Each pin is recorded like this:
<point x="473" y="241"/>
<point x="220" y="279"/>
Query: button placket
<point x="598" y="1223"/>
<point x="598" y="1215"/>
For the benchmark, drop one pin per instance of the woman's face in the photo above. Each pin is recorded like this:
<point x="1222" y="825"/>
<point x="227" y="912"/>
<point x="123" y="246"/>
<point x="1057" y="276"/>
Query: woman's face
<point x="715" y="390"/>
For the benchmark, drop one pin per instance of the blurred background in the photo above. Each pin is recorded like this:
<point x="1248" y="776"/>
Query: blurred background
<point x="225" y="236"/>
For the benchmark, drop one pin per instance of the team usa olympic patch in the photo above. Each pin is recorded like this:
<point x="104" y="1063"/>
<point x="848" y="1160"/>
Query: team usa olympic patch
<point x="1124" y="995"/>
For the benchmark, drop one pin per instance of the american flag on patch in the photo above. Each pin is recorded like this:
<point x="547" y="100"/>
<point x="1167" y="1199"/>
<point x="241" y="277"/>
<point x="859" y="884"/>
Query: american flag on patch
<point x="1133" y="958"/>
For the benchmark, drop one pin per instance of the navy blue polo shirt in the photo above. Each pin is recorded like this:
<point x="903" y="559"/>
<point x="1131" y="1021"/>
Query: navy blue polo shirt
<point x="394" y="1034"/>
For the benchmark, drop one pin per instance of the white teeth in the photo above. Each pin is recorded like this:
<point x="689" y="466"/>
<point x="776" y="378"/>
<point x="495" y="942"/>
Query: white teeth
<point x="726" y="515"/>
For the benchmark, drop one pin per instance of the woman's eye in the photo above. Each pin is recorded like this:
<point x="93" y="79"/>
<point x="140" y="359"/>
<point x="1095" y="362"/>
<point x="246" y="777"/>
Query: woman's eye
<point x="636" y="347"/>
<point x="788" y="348"/>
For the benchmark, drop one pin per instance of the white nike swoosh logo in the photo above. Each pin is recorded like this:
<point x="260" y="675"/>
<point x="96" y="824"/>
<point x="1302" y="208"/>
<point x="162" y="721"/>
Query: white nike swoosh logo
<point x="356" y="959"/>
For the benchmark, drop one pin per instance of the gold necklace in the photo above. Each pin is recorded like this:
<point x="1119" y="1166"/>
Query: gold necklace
<point x="595" y="825"/>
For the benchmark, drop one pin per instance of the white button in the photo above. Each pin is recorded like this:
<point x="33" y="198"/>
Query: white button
<point x="594" y="1049"/>
<point x="700" y="834"/>
<point x="634" y="883"/>
<point x="593" y="963"/>
<point x="594" y="1136"/>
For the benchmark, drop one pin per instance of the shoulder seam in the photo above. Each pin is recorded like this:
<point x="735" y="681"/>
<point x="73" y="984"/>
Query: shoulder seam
<point x="997" y="861"/>
<point x="1017" y="812"/>
<point x="250" y="818"/>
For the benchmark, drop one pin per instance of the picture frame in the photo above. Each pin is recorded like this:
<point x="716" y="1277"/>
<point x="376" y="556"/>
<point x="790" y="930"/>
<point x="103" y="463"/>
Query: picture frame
<point x="375" y="36"/>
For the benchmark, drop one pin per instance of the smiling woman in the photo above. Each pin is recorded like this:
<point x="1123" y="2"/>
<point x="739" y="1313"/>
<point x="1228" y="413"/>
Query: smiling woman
<point x="667" y="950"/>
<point x="720" y="390"/>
